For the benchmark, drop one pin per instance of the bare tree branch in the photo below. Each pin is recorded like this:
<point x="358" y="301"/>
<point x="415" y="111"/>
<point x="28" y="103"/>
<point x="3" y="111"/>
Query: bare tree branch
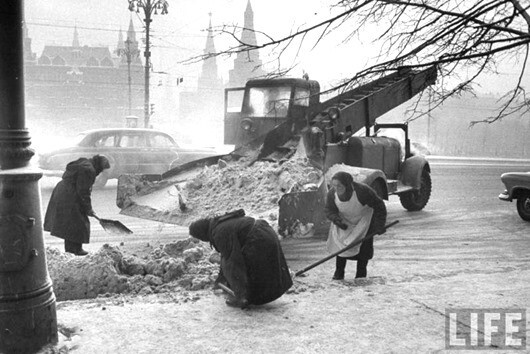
<point x="455" y="35"/>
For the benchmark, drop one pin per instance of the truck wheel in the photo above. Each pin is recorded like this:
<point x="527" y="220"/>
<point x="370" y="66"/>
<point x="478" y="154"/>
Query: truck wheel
<point x="523" y="206"/>
<point x="416" y="200"/>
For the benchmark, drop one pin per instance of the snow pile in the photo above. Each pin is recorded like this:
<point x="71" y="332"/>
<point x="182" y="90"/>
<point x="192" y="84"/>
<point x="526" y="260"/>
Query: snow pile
<point x="256" y="188"/>
<point x="185" y="264"/>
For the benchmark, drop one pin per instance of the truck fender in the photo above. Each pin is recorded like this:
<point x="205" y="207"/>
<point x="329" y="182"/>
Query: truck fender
<point x="367" y="176"/>
<point x="411" y="170"/>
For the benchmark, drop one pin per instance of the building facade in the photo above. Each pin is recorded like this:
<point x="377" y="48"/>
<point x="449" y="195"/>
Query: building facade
<point x="78" y="87"/>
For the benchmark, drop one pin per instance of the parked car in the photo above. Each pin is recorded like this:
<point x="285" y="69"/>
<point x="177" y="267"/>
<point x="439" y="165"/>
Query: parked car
<point x="130" y="151"/>
<point x="517" y="187"/>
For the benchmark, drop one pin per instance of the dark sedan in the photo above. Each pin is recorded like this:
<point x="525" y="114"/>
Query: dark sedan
<point x="517" y="187"/>
<point x="130" y="151"/>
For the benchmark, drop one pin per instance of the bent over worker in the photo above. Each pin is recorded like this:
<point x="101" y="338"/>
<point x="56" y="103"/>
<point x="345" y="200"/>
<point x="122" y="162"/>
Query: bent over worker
<point x="355" y="210"/>
<point x="70" y="203"/>
<point x="252" y="260"/>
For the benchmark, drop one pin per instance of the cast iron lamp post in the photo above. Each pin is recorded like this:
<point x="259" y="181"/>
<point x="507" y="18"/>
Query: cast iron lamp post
<point x="28" y="319"/>
<point x="149" y="8"/>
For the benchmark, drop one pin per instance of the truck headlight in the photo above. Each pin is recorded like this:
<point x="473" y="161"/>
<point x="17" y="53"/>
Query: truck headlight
<point x="333" y="113"/>
<point x="246" y="124"/>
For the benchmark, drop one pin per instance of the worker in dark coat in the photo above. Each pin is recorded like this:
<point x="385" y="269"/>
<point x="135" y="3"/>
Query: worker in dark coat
<point x="71" y="204"/>
<point x="355" y="210"/>
<point x="252" y="260"/>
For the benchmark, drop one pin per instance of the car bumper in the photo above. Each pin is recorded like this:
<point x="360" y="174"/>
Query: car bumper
<point x="505" y="196"/>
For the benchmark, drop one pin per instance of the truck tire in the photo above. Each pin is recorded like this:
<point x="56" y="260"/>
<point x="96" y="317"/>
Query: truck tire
<point x="416" y="200"/>
<point x="523" y="206"/>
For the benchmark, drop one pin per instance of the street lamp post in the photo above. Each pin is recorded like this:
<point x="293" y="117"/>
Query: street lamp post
<point x="28" y="319"/>
<point x="129" y="53"/>
<point x="149" y="7"/>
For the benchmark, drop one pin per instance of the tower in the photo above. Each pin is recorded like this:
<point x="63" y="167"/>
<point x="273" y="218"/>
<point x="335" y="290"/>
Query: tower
<point x="75" y="42"/>
<point x="247" y="64"/>
<point x="29" y="56"/>
<point x="209" y="80"/>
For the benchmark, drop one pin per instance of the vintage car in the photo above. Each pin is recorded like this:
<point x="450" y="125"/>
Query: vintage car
<point x="517" y="187"/>
<point x="130" y="151"/>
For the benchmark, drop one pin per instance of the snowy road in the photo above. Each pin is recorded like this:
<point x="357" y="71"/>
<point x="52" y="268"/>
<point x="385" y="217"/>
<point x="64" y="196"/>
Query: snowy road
<point x="464" y="202"/>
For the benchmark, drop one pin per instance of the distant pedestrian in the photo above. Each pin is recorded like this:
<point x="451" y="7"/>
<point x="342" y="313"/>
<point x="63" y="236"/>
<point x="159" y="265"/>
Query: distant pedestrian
<point x="71" y="204"/>
<point x="355" y="210"/>
<point x="252" y="260"/>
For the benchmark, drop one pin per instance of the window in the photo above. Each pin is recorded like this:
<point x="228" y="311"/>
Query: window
<point x="161" y="141"/>
<point x="301" y="97"/>
<point x="105" y="141"/>
<point x="269" y="101"/>
<point x="234" y="100"/>
<point x="132" y="141"/>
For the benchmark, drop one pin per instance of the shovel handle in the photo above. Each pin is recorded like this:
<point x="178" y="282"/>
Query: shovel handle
<point x="353" y="244"/>
<point x="226" y="289"/>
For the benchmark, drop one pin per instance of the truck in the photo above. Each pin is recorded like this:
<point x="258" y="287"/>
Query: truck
<point x="275" y="119"/>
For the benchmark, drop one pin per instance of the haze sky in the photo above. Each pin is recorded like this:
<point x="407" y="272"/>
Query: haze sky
<point x="181" y="34"/>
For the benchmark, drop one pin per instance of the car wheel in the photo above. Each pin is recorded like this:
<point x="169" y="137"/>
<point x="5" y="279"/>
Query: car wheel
<point x="523" y="206"/>
<point x="416" y="200"/>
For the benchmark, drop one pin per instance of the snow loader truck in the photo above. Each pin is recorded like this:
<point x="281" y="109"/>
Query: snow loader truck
<point x="274" y="119"/>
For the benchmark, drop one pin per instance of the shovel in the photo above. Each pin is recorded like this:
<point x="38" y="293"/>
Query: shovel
<point x="113" y="226"/>
<point x="353" y="244"/>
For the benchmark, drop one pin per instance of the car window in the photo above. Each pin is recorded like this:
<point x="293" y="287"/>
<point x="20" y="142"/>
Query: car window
<point x="132" y="140"/>
<point x="105" y="141"/>
<point x="161" y="141"/>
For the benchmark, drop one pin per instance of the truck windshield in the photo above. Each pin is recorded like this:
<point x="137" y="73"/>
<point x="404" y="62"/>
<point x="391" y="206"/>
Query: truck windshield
<point x="269" y="101"/>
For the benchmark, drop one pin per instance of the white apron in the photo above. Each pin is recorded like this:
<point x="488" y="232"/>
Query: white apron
<point x="357" y="217"/>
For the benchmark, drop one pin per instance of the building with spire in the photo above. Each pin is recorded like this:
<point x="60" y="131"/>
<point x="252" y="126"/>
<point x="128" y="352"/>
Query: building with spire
<point x="77" y="87"/>
<point x="247" y="64"/>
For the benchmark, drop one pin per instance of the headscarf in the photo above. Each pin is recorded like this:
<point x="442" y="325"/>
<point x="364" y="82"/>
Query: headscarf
<point x="101" y="163"/>
<point x="346" y="180"/>
<point x="201" y="229"/>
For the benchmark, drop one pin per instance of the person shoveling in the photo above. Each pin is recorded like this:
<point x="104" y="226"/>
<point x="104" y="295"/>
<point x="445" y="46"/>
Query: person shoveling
<point x="71" y="204"/>
<point x="253" y="267"/>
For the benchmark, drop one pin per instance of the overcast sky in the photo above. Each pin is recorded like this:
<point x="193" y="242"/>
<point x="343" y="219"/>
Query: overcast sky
<point x="181" y="34"/>
<point x="176" y="36"/>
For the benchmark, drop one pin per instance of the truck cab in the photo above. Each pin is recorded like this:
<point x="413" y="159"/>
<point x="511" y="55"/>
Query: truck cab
<point x="253" y="111"/>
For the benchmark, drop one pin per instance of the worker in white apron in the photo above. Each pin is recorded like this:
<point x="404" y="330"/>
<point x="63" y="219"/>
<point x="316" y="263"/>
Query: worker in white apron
<point x="354" y="210"/>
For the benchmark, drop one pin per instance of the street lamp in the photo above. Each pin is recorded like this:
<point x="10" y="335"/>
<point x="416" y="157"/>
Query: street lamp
<point x="130" y="53"/>
<point x="149" y="7"/>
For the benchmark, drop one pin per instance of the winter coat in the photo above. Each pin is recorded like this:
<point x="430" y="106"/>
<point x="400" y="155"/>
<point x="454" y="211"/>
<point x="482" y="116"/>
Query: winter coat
<point x="70" y="202"/>
<point x="366" y="196"/>
<point x="252" y="260"/>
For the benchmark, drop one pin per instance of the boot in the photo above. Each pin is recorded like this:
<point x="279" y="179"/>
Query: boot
<point x="361" y="268"/>
<point x="340" y="266"/>
<point x="237" y="302"/>
<point x="81" y="252"/>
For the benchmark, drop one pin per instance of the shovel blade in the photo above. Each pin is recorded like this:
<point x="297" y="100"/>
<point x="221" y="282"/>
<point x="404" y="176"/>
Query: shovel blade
<point x="114" y="227"/>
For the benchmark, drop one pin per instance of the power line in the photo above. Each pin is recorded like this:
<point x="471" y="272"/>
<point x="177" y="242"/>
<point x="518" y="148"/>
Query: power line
<point x="160" y="34"/>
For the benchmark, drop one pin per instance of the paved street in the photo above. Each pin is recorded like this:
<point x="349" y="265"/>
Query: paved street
<point x="463" y="210"/>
